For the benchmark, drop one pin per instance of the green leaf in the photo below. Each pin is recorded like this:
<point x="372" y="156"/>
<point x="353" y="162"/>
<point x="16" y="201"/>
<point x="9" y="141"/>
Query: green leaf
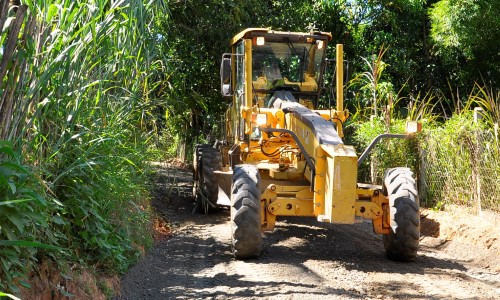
<point x="9" y="253"/>
<point x="34" y="195"/>
<point x="14" y="201"/>
<point x="25" y="284"/>
<point x="58" y="220"/>
<point x="66" y="293"/>
<point x="9" y="295"/>
<point x="8" y="171"/>
<point x="66" y="276"/>
<point x="7" y="148"/>
<point x="12" y="186"/>
<point x="30" y="244"/>
<point x="16" y="218"/>
<point x="15" y="166"/>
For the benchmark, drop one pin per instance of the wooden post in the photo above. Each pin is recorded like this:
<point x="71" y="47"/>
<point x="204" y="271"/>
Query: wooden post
<point x="477" y="158"/>
<point x="181" y="154"/>
<point x="421" y="173"/>
<point x="495" y="126"/>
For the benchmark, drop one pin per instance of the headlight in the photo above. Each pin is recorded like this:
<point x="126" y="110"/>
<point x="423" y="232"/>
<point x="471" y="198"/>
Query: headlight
<point x="413" y="127"/>
<point x="261" y="120"/>
<point x="259" y="41"/>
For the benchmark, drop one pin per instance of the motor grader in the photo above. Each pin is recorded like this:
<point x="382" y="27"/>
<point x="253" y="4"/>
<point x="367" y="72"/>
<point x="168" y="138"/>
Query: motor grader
<point x="282" y="156"/>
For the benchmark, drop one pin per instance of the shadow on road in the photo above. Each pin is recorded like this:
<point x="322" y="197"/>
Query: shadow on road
<point x="196" y="261"/>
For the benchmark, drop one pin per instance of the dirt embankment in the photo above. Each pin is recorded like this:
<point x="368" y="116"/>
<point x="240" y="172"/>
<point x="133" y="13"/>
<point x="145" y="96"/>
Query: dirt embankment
<point x="304" y="259"/>
<point x="47" y="282"/>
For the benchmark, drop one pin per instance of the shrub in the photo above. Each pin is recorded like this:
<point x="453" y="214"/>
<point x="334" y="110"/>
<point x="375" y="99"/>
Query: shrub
<point x="460" y="164"/>
<point x="388" y="153"/>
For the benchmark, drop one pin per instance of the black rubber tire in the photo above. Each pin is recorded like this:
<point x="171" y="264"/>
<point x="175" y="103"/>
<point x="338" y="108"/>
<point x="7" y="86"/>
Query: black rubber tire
<point x="401" y="244"/>
<point x="246" y="239"/>
<point x="209" y="160"/>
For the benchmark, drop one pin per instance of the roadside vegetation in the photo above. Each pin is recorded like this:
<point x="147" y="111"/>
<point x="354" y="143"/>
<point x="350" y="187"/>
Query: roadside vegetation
<point x="73" y="158"/>
<point x="93" y="90"/>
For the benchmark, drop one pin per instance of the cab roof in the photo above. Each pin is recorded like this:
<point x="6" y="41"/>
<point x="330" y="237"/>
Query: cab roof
<point x="272" y="35"/>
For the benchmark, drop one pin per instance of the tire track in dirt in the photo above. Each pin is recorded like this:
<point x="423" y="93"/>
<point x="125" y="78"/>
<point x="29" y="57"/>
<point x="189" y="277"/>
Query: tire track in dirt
<point x="302" y="259"/>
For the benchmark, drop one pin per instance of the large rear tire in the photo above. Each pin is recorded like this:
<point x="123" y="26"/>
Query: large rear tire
<point x="246" y="239"/>
<point x="206" y="188"/>
<point x="402" y="242"/>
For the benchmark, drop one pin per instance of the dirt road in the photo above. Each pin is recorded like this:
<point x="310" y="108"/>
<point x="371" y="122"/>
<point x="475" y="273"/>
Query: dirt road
<point x="302" y="259"/>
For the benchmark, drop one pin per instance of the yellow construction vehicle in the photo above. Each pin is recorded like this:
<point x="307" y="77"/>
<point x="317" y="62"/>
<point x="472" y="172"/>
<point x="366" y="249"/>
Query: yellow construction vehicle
<point x="280" y="156"/>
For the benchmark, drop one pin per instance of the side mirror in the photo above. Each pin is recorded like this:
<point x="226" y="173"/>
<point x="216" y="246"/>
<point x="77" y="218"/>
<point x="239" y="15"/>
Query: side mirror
<point x="225" y="75"/>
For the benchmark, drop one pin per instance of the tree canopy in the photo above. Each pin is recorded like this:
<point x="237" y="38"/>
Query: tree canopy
<point x="429" y="45"/>
<point x="466" y="36"/>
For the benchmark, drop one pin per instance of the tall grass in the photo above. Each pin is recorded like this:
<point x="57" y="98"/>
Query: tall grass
<point x="372" y="89"/>
<point x="388" y="153"/>
<point x="455" y="159"/>
<point x="488" y="99"/>
<point x="460" y="164"/>
<point x="85" y="105"/>
<point x="24" y="218"/>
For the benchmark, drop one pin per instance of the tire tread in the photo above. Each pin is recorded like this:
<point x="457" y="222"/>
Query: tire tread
<point x="246" y="241"/>
<point x="402" y="242"/>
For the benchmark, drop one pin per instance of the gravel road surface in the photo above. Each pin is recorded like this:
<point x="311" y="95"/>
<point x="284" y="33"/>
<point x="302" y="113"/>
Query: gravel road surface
<point x="302" y="259"/>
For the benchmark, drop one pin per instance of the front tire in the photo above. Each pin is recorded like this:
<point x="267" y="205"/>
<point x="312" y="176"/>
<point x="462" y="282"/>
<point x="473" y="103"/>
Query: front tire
<point x="246" y="239"/>
<point x="402" y="242"/>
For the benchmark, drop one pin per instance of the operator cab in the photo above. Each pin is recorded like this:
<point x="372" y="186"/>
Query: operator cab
<point x="286" y="68"/>
<point x="289" y="63"/>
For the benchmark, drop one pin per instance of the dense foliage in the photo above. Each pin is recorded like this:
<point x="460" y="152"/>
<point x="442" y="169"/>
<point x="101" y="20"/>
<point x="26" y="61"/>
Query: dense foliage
<point x="405" y="42"/>
<point x="465" y="34"/>
<point x="73" y="176"/>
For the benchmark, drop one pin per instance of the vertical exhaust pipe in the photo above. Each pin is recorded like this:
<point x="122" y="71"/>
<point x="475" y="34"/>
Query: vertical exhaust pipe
<point x="340" y="77"/>
<point x="340" y="86"/>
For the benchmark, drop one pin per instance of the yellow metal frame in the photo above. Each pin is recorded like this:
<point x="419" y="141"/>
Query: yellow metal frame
<point x="245" y="34"/>
<point x="300" y="201"/>
<point x="278" y="200"/>
<point x="334" y="197"/>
